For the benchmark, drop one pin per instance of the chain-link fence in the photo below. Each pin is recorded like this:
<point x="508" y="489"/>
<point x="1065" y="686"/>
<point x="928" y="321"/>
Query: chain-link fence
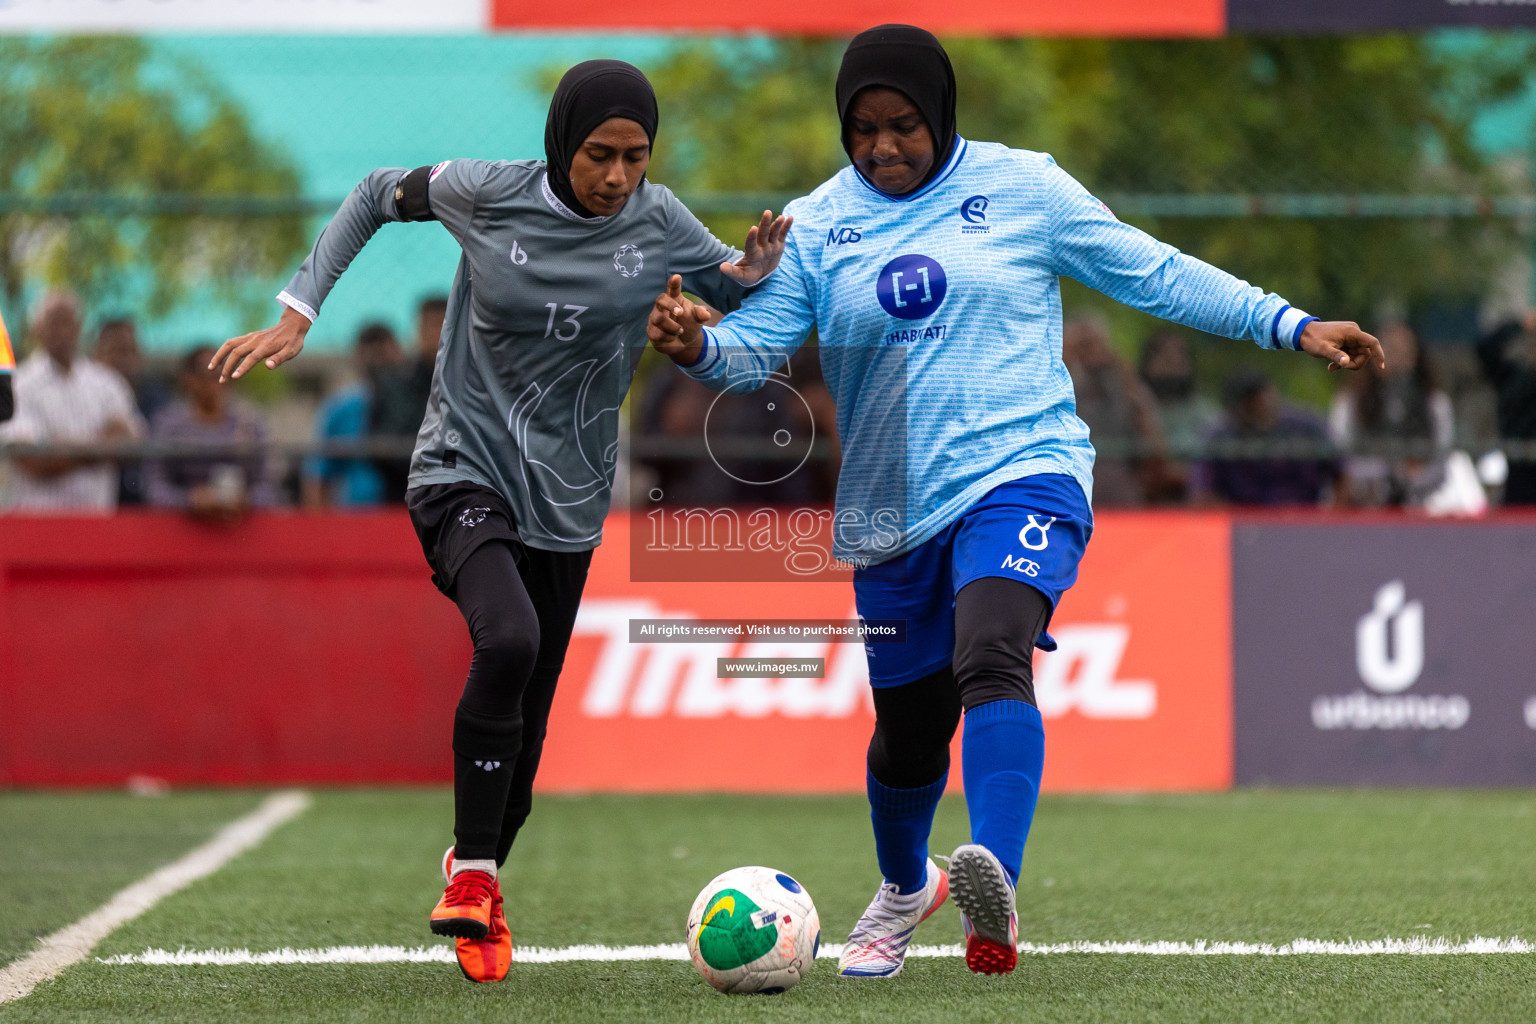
<point x="177" y="181"/>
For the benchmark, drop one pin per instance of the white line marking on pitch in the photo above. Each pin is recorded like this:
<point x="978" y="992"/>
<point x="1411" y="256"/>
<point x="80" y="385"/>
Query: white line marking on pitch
<point x="74" y="943"/>
<point x="677" y="951"/>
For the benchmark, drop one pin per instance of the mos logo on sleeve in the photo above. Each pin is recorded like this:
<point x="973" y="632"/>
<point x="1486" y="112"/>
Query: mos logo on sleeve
<point x="911" y="287"/>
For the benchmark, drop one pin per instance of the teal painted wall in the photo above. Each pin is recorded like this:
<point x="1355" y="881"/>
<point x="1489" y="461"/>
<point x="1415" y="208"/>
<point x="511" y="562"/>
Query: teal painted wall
<point x="344" y="106"/>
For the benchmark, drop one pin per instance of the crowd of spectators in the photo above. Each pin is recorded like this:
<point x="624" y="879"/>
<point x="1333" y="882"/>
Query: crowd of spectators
<point x="1387" y="439"/>
<point x="94" y="432"/>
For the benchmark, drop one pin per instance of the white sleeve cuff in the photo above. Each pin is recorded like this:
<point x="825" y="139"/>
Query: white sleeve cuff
<point x="1288" y="327"/>
<point x="709" y="355"/>
<point x="758" y="283"/>
<point x="298" y="305"/>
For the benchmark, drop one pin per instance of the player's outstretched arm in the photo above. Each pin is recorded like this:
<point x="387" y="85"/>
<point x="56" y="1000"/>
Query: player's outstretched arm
<point x="762" y="251"/>
<point x="676" y="326"/>
<point x="274" y="346"/>
<point x="1343" y="344"/>
<point x="445" y="193"/>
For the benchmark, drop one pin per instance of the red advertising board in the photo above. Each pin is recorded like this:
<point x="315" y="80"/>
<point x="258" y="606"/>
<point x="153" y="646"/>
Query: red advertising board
<point x="1031" y="17"/>
<point x="1137" y="696"/>
<point x="313" y="649"/>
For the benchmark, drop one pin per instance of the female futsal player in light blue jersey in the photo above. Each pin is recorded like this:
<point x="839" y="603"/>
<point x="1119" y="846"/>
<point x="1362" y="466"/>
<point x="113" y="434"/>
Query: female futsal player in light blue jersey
<point x="930" y="269"/>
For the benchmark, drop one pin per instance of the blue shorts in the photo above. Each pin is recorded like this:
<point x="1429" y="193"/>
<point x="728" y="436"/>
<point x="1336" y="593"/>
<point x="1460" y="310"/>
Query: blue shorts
<point x="1033" y="530"/>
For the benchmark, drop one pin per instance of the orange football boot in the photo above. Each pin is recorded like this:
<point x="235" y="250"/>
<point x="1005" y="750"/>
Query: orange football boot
<point x="464" y="912"/>
<point x="486" y="959"/>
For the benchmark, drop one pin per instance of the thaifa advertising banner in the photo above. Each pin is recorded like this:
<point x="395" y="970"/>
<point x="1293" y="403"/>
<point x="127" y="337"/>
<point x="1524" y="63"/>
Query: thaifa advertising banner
<point x="1392" y="654"/>
<point x="1129" y="702"/>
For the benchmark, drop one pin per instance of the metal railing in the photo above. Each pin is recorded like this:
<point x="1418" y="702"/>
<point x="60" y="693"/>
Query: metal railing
<point x="651" y="448"/>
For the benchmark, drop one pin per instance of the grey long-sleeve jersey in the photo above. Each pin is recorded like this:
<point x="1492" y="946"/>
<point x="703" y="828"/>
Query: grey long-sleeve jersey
<point x="546" y="323"/>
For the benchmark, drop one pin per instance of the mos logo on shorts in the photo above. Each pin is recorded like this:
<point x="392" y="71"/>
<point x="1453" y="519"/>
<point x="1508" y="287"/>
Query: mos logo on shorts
<point x="911" y="287"/>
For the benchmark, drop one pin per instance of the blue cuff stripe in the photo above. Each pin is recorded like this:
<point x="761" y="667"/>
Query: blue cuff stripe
<point x="703" y="351"/>
<point x="1296" y="340"/>
<point x="1274" y="327"/>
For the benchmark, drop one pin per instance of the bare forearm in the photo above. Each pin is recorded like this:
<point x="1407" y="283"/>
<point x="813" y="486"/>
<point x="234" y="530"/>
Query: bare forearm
<point x="51" y="467"/>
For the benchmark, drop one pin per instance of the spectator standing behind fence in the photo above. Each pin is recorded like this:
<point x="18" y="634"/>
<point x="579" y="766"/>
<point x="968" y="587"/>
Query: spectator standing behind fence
<point x="1120" y="412"/>
<point x="117" y="347"/>
<point x="1380" y="409"/>
<point x="401" y="401"/>
<point x="1167" y="368"/>
<point x="346" y="416"/>
<point x="231" y="477"/>
<point x="1298" y="467"/>
<point x="64" y="398"/>
<point x="7" y="368"/>
<point x="1508" y="355"/>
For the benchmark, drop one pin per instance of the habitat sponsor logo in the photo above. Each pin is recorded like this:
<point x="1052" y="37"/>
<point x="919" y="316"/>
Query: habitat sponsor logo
<point x="1389" y="658"/>
<point x="645" y="680"/>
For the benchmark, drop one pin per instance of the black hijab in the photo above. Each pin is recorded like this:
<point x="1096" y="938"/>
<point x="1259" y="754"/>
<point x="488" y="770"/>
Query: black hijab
<point x="911" y="61"/>
<point x="589" y="94"/>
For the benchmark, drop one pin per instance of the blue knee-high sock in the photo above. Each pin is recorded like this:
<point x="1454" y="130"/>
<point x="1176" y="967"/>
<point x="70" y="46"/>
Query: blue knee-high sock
<point x="1003" y="757"/>
<point x="903" y="818"/>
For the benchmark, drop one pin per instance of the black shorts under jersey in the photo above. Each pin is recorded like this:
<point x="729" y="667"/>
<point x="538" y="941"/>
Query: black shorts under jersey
<point x="452" y="520"/>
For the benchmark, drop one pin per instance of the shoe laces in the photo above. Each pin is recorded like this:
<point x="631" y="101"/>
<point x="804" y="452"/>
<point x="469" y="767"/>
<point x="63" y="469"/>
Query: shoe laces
<point x="887" y="914"/>
<point x="469" y="887"/>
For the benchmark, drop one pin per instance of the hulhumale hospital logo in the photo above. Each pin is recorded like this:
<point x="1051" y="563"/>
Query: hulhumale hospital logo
<point x="1389" y="658"/>
<point x="911" y="287"/>
<point x="974" y="212"/>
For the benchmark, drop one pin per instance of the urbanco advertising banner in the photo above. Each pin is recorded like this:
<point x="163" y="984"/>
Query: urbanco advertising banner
<point x="1393" y="654"/>
<point x="678" y="686"/>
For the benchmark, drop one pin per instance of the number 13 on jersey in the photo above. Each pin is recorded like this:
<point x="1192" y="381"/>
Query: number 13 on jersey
<point x="574" y="319"/>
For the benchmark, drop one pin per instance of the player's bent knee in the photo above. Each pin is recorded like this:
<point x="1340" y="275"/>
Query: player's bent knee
<point x="508" y="648"/>
<point x="914" y="725"/>
<point x="996" y="667"/>
<point x="997" y="622"/>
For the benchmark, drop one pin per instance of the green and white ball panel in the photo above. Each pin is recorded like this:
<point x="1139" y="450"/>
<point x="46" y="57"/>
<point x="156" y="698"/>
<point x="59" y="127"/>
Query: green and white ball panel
<point x="753" y="929"/>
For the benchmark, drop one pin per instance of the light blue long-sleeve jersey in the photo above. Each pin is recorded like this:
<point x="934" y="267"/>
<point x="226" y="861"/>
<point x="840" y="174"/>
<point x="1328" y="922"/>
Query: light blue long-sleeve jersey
<point x="939" y="316"/>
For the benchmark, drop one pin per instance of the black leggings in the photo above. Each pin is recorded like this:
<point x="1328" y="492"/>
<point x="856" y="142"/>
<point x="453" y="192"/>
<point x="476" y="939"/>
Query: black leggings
<point x="520" y="617"/>
<point x="997" y="621"/>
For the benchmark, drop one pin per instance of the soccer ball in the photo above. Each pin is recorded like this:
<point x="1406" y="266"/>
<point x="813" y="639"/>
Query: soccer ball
<point x="753" y="930"/>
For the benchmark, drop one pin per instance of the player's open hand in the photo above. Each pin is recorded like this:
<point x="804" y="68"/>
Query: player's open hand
<point x="1343" y="344"/>
<point x="676" y="326"/>
<point x="765" y="245"/>
<point x="274" y="346"/>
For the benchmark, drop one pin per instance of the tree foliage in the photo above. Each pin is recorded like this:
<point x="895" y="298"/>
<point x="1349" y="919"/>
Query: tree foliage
<point x="1375" y="114"/>
<point x="97" y="117"/>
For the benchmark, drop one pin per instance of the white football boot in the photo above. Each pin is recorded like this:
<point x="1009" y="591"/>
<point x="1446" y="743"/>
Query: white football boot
<point x="879" y="941"/>
<point x="986" y="901"/>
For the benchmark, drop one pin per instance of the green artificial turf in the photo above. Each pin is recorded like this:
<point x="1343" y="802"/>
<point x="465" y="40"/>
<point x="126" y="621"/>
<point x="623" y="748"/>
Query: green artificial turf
<point x="360" y="868"/>
<point x="63" y="855"/>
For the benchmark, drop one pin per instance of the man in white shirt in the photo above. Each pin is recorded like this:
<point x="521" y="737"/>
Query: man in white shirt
<point x="64" y="398"/>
